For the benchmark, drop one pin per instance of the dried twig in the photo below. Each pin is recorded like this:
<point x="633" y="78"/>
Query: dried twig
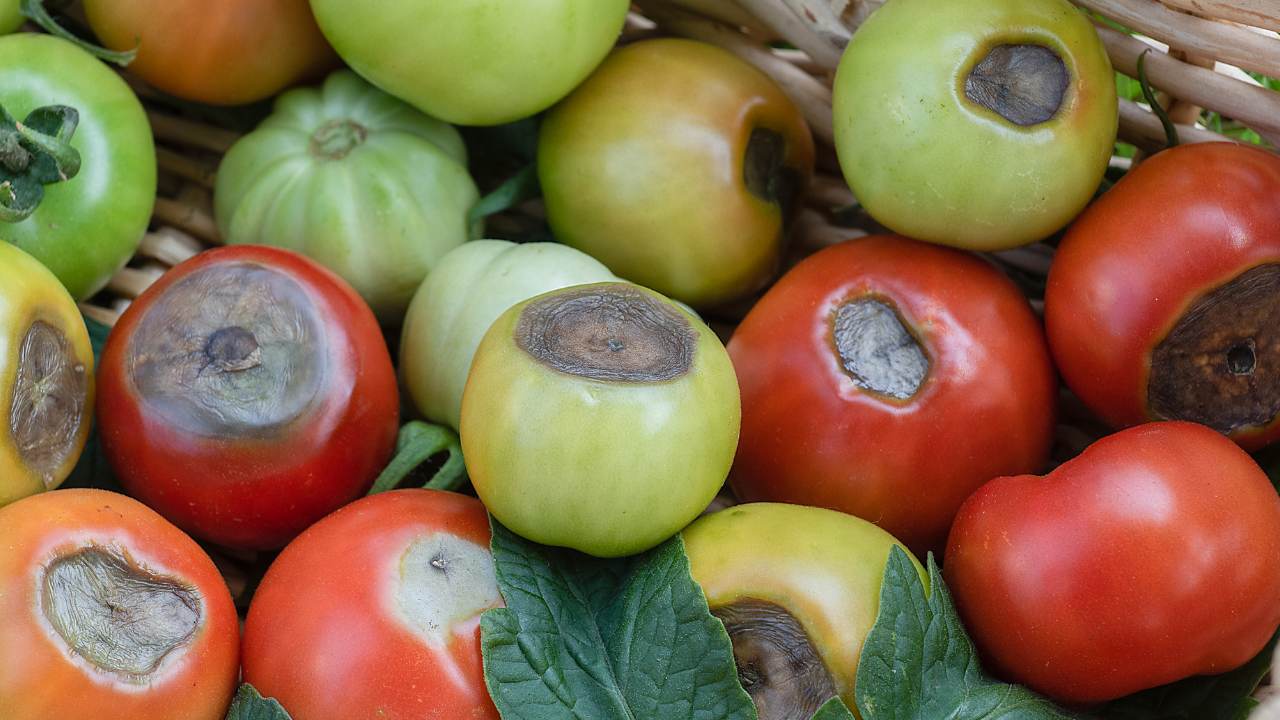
<point x="189" y="218"/>
<point x="1258" y="13"/>
<point x="170" y="246"/>
<point x="1141" y="127"/>
<point x="190" y="133"/>
<point x="187" y="167"/>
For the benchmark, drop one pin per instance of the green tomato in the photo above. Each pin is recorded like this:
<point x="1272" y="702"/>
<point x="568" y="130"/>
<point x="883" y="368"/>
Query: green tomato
<point x="474" y="62"/>
<point x="86" y="228"/>
<point x="983" y="124"/>
<point x="460" y="299"/>
<point x="354" y="179"/>
<point x="599" y="417"/>
<point x="10" y="17"/>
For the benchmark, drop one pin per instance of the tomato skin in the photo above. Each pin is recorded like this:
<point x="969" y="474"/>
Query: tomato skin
<point x="39" y="676"/>
<point x="321" y="636"/>
<point x="230" y="52"/>
<point x="258" y="492"/>
<point x="811" y="436"/>
<point x="10" y="17"/>
<point x="1134" y="262"/>
<point x="1148" y="558"/>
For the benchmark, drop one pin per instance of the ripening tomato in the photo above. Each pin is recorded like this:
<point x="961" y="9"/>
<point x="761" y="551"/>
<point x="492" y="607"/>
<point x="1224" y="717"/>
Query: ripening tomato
<point x="229" y="52"/>
<point x="888" y="379"/>
<point x="10" y="17"/>
<point x="1164" y="300"/>
<point x="1149" y="558"/>
<point x="246" y="395"/>
<point x="375" y="611"/>
<point x="110" y="613"/>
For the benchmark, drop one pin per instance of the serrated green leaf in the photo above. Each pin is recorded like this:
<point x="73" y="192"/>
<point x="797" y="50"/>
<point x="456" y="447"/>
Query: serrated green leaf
<point x="250" y="705"/>
<point x="516" y="189"/>
<point x="918" y="662"/>
<point x="625" y="639"/>
<point x="417" y="443"/>
<point x="835" y="709"/>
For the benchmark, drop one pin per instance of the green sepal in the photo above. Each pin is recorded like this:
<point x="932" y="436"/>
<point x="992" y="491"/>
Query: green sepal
<point x="34" y="153"/>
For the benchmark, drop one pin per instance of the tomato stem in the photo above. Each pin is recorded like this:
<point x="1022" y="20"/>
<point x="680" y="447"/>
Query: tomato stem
<point x="1170" y="130"/>
<point x="35" y="11"/>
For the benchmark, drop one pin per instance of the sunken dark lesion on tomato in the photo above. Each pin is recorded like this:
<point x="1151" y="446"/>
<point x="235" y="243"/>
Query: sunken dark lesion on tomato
<point x="877" y="349"/>
<point x="1024" y="83"/>
<point x="1220" y="363"/>
<point x="48" y="406"/>
<point x="231" y="350"/>
<point x="121" y="617"/>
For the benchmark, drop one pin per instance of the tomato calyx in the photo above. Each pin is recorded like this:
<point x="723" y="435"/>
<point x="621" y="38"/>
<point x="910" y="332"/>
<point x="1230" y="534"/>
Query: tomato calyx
<point x="1217" y="366"/>
<point x="50" y="394"/>
<point x="766" y="173"/>
<point x="877" y="349"/>
<point x="34" y="153"/>
<point x="777" y="663"/>
<point x="1025" y="84"/>
<point x="336" y="139"/>
<point x="119" y="616"/>
<point x="611" y="332"/>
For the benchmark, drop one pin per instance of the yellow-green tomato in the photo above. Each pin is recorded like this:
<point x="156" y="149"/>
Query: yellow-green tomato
<point x="460" y="299"/>
<point x="46" y="378"/>
<point x="983" y="124"/>
<point x="354" y="179"/>
<point x="599" y="417"/>
<point x="10" y="18"/>
<point x="474" y="62"/>
<point x="798" y="589"/>
<point x="677" y="165"/>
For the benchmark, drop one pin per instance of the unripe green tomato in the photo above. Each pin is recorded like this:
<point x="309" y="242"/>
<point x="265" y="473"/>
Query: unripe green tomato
<point x="10" y="18"/>
<point x="678" y="165"/>
<point x="354" y="179"/>
<point x="599" y="417"/>
<point x="460" y="299"/>
<point x="798" y="589"/>
<point x="983" y="124"/>
<point x="474" y="62"/>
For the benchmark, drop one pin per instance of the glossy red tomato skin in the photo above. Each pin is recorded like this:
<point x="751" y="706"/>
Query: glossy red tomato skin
<point x="41" y="679"/>
<point x="810" y="436"/>
<point x="320" y="638"/>
<point x="258" y="492"/>
<point x="1179" y="225"/>
<point x="1149" y="558"/>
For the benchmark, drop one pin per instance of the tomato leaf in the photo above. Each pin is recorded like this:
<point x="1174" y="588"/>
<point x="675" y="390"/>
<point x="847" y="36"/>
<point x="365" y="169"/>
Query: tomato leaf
<point x="918" y="662"/>
<point x="581" y="637"/>
<point x="1205" y="697"/>
<point x="515" y="190"/>
<point x="250" y="705"/>
<point x="417" y="443"/>
<point x="835" y="709"/>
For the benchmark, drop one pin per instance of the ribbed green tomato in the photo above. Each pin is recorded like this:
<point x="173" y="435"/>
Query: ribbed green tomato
<point x="86" y="228"/>
<point x="354" y="179"/>
<point x="599" y="417"/>
<point x="460" y="299"/>
<point x="10" y="18"/>
<point x="474" y="62"/>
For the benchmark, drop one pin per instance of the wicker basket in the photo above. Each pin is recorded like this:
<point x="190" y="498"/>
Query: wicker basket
<point x="1206" y="50"/>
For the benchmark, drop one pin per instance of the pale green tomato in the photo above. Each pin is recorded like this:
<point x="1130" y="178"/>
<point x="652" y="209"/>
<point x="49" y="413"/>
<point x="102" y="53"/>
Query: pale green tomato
<point x="474" y="62"/>
<point x="983" y="124"/>
<point x="599" y="417"/>
<point x="460" y="299"/>
<point x="803" y="569"/>
<point x="10" y="18"/>
<point x="354" y="179"/>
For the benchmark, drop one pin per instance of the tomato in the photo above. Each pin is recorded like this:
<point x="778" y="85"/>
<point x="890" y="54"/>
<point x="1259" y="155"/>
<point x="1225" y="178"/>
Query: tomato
<point x="983" y="124"/>
<point x="86" y="228"/>
<point x="1164" y="300"/>
<point x="678" y="166"/>
<point x="889" y="379"/>
<point x="246" y="395"/>
<point x="110" y="613"/>
<point x="517" y="57"/>
<point x="46" y="378"/>
<point x="469" y="288"/>
<point x="375" y="612"/>
<point x="599" y="417"/>
<point x="354" y="179"/>
<point x="798" y="589"/>
<point x="10" y="17"/>
<point x="230" y="52"/>
<point x="1149" y="558"/>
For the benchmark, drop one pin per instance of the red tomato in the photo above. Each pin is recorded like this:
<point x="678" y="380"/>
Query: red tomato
<point x="375" y="612"/>
<point x="228" y="52"/>
<point x="1149" y="558"/>
<point x="111" y="613"/>
<point x="246" y="395"/>
<point x="889" y="379"/>
<point x="1164" y="300"/>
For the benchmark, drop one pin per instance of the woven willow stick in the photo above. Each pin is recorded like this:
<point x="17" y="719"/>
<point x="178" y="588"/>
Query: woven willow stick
<point x="1231" y="44"/>
<point x="188" y="218"/>
<point x="186" y="166"/>
<point x="1252" y="105"/>
<point x="811" y="33"/>
<point x="1142" y="128"/>
<point x="1258" y="13"/>
<point x="728" y="12"/>
<point x="187" y="132"/>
